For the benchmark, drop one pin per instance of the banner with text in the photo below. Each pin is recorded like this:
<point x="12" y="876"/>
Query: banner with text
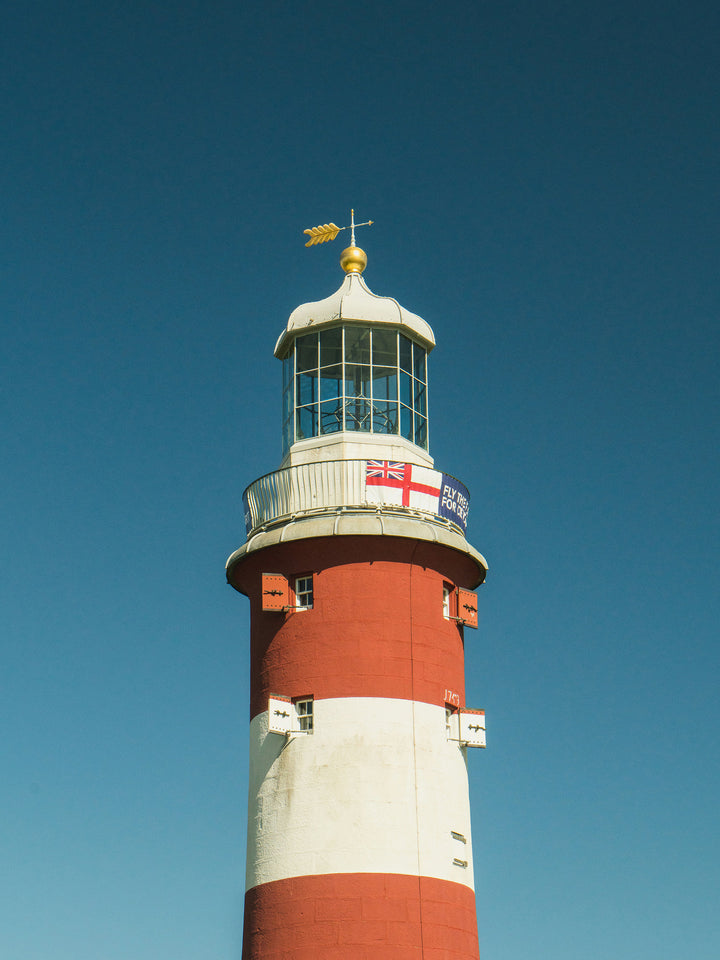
<point x="409" y="485"/>
<point x="454" y="501"/>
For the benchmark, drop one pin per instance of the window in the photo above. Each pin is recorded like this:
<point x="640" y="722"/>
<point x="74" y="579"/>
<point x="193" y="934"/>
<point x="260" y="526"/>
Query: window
<point x="449" y="605"/>
<point x="304" y="592"/>
<point x="452" y="722"/>
<point x="355" y="377"/>
<point x="449" y="714"/>
<point x="304" y="710"/>
<point x="290" y="718"/>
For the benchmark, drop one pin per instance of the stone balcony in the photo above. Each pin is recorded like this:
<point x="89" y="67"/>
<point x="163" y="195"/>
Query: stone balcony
<point x="356" y="498"/>
<point x="329" y="486"/>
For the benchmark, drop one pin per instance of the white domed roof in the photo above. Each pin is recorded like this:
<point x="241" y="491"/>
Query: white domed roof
<point x="354" y="301"/>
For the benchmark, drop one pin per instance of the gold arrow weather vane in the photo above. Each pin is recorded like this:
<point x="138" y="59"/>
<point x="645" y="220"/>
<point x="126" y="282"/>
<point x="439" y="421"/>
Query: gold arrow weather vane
<point x="321" y="234"/>
<point x="328" y="231"/>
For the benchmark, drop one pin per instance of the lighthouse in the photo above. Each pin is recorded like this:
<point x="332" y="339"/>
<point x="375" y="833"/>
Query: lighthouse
<point x="361" y="585"/>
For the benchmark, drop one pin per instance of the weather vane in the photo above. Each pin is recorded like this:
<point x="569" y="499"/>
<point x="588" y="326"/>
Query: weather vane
<point x="328" y="231"/>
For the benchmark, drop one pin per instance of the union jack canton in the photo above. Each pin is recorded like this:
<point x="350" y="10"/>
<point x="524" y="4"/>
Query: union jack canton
<point x="386" y="469"/>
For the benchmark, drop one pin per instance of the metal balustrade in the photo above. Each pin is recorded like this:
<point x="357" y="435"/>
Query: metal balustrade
<point x="315" y="488"/>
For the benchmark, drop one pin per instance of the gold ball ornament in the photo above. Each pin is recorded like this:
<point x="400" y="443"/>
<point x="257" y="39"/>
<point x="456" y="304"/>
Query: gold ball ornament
<point x="353" y="260"/>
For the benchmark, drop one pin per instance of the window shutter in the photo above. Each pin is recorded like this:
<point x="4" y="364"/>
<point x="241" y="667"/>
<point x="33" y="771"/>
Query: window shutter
<point x="472" y="727"/>
<point x="467" y="608"/>
<point x="281" y="712"/>
<point x="275" y="591"/>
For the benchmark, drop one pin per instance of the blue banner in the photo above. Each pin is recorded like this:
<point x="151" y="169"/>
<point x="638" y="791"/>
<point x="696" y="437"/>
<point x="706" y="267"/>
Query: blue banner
<point x="454" y="501"/>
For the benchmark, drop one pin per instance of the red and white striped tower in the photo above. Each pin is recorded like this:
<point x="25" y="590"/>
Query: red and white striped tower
<point x="359" y="578"/>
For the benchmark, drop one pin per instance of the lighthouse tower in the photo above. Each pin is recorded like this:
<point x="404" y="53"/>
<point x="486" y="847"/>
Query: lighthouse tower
<point x="360" y="583"/>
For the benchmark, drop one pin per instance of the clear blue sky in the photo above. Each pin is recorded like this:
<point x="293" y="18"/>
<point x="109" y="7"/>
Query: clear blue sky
<point x="544" y="179"/>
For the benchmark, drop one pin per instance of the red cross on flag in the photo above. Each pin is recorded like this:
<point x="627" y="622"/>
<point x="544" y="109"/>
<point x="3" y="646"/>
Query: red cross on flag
<point x="403" y="484"/>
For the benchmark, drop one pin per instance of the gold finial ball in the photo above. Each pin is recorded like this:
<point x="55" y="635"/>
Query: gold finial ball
<point x="353" y="260"/>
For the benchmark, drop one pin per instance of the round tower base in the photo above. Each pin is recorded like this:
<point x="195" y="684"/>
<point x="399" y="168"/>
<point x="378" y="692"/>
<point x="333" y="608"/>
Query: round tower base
<point x="360" y="916"/>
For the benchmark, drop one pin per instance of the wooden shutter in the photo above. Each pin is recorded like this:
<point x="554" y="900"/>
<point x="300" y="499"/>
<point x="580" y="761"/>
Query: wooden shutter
<point x="467" y="608"/>
<point x="275" y="591"/>
<point x="281" y="712"/>
<point x="472" y="727"/>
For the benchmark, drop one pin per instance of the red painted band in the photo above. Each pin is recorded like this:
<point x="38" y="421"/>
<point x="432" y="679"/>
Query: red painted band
<point x="360" y="916"/>
<point x="376" y="628"/>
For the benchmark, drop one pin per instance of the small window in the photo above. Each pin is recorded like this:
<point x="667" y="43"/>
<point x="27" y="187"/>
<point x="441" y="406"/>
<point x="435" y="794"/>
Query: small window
<point x="303" y="592"/>
<point x="449" y="602"/>
<point x="304" y="709"/>
<point x="451" y="722"/>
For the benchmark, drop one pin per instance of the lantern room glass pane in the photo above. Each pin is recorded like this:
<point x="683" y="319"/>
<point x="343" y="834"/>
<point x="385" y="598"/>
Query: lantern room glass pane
<point x="288" y="364"/>
<point x="357" y="381"/>
<point x="331" y="382"/>
<point x="288" y="438"/>
<point x="385" y="417"/>
<point x="406" y="422"/>
<point x="306" y="422"/>
<point x="306" y="350"/>
<point x="288" y="415"/>
<point x="330" y="346"/>
<point x="406" y="388"/>
<point x="405" y="354"/>
<point x="357" y="344"/>
<point x="384" y="348"/>
<point x="358" y="415"/>
<point x="420" y="398"/>
<point x="287" y="404"/>
<point x="307" y="384"/>
<point x="419" y="362"/>
<point x="384" y="383"/>
<point x="421" y="431"/>
<point x="331" y="416"/>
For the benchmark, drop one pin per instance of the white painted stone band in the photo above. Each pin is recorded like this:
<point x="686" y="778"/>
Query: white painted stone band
<point x="376" y="788"/>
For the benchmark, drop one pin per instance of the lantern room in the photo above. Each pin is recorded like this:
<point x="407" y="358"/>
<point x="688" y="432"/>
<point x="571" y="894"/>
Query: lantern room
<point x="355" y="372"/>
